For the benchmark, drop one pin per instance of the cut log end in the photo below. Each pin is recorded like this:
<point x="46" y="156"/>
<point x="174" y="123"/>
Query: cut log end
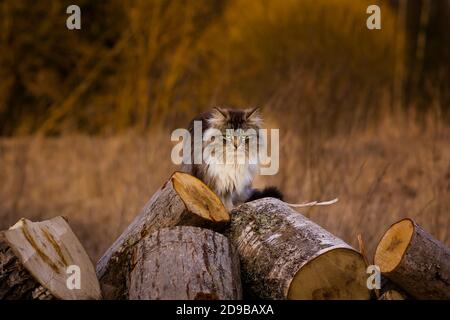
<point x="414" y="260"/>
<point x="338" y="274"/>
<point x="36" y="259"/>
<point x="393" y="245"/>
<point x="199" y="199"/>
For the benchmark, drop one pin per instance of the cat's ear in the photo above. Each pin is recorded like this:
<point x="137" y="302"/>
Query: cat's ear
<point x="221" y="111"/>
<point x="254" y="112"/>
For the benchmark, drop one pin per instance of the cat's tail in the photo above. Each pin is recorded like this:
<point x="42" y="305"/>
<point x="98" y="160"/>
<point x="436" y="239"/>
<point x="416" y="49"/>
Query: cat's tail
<point x="274" y="192"/>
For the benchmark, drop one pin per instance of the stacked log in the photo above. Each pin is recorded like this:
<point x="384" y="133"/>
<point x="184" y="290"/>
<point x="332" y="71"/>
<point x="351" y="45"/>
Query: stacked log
<point x="185" y="263"/>
<point x="35" y="258"/>
<point x="286" y="256"/>
<point x="414" y="260"/>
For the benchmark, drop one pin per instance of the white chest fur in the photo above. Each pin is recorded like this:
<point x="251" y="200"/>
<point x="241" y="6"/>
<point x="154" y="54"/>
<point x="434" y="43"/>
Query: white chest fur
<point x="231" y="178"/>
<point x="229" y="170"/>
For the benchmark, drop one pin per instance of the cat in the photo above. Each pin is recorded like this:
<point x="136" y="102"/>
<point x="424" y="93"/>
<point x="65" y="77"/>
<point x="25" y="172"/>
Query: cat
<point x="230" y="133"/>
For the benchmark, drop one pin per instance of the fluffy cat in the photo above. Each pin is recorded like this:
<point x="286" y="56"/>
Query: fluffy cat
<point x="230" y="133"/>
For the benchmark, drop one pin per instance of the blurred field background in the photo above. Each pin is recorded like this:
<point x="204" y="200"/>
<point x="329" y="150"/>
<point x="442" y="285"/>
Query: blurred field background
<point x="86" y="116"/>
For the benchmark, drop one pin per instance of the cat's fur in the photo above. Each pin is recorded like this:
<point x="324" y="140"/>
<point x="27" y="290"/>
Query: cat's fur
<point x="231" y="182"/>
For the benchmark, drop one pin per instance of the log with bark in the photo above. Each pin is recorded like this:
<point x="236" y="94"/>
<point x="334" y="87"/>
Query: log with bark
<point x="182" y="201"/>
<point x="35" y="258"/>
<point x="391" y="291"/>
<point x="285" y="255"/>
<point x="414" y="260"/>
<point x="184" y="263"/>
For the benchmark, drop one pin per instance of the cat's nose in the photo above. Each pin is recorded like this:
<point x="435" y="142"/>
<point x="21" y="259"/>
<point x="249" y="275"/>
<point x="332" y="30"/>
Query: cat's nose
<point x="236" y="141"/>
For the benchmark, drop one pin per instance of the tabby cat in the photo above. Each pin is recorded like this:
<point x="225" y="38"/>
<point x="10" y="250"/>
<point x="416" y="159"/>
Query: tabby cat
<point x="231" y="134"/>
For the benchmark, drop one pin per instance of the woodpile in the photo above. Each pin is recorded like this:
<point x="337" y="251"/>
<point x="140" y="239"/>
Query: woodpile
<point x="185" y="245"/>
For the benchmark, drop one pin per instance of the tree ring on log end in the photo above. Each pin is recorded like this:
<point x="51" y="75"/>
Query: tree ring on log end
<point x="337" y="274"/>
<point x="393" y="245"/>
<point x="198" y="198"/>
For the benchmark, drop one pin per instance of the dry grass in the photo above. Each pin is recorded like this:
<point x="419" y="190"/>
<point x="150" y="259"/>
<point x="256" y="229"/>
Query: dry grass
<point x="99" y="184"/>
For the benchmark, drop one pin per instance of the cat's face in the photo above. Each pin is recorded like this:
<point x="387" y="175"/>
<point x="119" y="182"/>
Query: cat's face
<point x="234" y="133"/>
